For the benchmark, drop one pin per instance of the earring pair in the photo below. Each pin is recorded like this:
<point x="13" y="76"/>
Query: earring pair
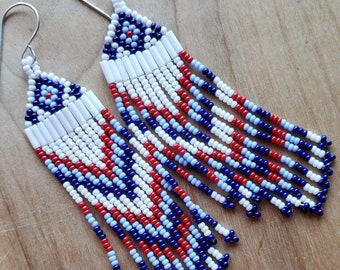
<point x="148" y="79"/>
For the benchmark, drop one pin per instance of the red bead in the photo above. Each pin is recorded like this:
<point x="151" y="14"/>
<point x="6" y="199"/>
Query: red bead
<point x="275" y="119"/>
<point x="169" y="254"/>
<point x="182" y="68"/>
<point x="183" y="53"/>
<point x="114" y="90"/>
<point x="182" y="254"/>
<point x="126" y="240"/>
<point x="130" y="247"/>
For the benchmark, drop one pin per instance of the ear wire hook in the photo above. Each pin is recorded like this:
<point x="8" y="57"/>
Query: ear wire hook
<point x="28" y="46"/>
<point x="97" y="9"/>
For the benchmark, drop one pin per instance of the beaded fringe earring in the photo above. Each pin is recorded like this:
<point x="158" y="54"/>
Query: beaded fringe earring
<point x="82" y="144"/>
<point x="165" y="97"/>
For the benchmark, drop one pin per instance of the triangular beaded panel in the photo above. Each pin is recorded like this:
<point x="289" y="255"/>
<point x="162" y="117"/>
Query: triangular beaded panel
<point x="128" y="33"/>
<point x="47" y="95"/>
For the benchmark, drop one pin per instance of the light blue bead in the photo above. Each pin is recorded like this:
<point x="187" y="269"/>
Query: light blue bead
<point x="95" y="182"/>
<point x="166" y="235"/>
<point x="282" y="171"/>
<point x="256" y="189"/>
<point x="163" y="123"/>
<point x="134" y="117"/>
<point x="113" y="261"/>
<point x="91" y="220"/>
<point x="254" y="108"/>
<point x="109" y="220"/>
<point x="166" y="185"/>
<point x="111" y="253"/>
<point x="88" y="216"/>
<point x="196" y="92"/>
<point x="246" y="141"/>
<point x="177" y="265"/>
<point x="286" y="125"/>
<point x="50" y="166"/>
<point x="219" y="166"/>
<point x="201" y="67"/>
<point x="295" y="140"/>
<point x="291" y="127"/>
<point x="290" y="176"/>
<point x="187" y="201"/>
<point x="231" y="162"/>
<point x="252" y="118"/>
<point x="200" y="83"/>
<point x="196" y="258"/>
<point x="166" y="197"/>
<point x="195" y="130"/>
<point x="197" y="107"/>
<point x="192" y="267"/>
<point x="167" y="265"/>
<point x="290" y="146"/>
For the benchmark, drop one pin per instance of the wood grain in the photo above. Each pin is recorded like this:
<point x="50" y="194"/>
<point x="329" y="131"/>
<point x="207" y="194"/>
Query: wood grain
<point x="283" y="55"/>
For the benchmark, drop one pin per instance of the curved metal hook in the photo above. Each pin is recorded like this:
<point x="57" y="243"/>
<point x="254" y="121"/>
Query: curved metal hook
<point x="97" y="9"/>
<point x="28" y="46"/>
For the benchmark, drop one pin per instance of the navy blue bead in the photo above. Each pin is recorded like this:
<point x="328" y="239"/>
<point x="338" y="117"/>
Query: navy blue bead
<point x="205" y="71"/>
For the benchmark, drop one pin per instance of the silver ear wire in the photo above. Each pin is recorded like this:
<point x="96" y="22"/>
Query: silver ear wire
<point x="95" y="8"/>
<point x="28" y="46"/>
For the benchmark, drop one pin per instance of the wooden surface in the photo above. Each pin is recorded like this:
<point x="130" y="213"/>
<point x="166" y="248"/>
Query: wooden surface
<point x="283" y="55"/>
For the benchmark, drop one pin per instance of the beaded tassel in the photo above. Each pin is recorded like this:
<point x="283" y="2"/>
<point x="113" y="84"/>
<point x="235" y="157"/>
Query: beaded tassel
<point x="165" y="98"/>
<point x="86" y="148"/>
